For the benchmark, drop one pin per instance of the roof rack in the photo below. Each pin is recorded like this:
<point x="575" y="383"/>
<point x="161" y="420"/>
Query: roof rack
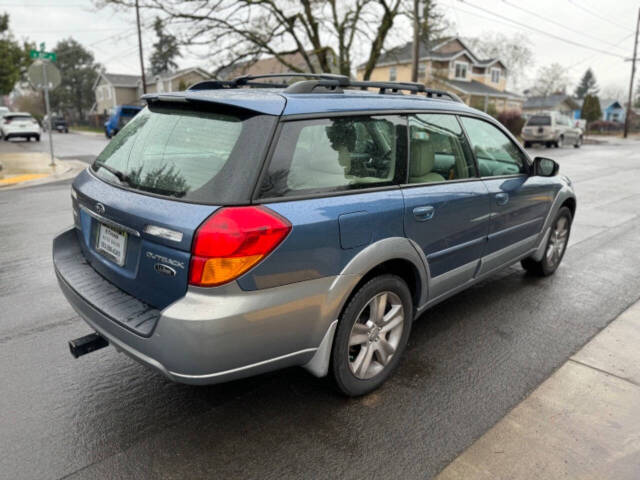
<point x="323" y="82"/>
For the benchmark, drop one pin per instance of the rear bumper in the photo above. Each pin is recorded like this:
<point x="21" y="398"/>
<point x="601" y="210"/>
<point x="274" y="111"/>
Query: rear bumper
<point x="215" y="335"/>
<point x="533" y="138"/>
<point x="22" y="133"/>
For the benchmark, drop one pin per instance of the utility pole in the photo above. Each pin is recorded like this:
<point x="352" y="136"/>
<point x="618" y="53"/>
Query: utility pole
<point x="633" y="73"/>
<point x="416" y="40"/>
<point x="144" y="80"/>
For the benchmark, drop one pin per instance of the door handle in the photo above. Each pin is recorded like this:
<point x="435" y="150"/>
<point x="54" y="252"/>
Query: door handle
<point x="422" y="214"/>
<point x="502" y="198"/>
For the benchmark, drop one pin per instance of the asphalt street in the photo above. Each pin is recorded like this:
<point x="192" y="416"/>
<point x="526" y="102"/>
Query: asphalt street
<point x="470" y="360"/>
<point x="76" y="146"/>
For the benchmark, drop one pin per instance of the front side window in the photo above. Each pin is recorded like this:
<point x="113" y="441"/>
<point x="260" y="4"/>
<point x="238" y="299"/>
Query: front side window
<point x="438" y="149"/>
<point x="496" y="154"/>
<point x="335" y="154"/>
<point x="461" y="70"/>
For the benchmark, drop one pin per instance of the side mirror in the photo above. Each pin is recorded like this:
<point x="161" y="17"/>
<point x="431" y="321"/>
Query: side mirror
<point x="545" y="167"/>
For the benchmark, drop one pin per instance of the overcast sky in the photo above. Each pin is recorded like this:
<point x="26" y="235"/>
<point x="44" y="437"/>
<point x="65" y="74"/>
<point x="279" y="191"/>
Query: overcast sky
<point x="596" y="37"/>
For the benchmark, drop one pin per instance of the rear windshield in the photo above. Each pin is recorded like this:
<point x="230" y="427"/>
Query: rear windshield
<point x="539" y="121"/>
<point x="18" y="117"/>
<point x="177" y="153"/>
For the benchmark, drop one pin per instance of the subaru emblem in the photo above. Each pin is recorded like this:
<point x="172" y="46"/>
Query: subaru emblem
<point x="164" y="269"/>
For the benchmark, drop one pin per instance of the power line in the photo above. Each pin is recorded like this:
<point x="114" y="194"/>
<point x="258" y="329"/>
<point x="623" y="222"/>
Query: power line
<point x="579" y="32"/>
<point x="597" y="15"/>
<point x="534" y="29"/>
<point x="591" y="57"/>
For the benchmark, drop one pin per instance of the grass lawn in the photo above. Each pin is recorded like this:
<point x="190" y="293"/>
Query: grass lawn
<point x="87" y="128"/>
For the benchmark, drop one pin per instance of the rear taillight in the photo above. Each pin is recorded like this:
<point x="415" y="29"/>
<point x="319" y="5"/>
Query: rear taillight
<point x="233" y="240"/>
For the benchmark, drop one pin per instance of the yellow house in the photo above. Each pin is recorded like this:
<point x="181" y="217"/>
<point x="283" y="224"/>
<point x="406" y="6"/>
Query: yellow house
<point x="450" y="65"/>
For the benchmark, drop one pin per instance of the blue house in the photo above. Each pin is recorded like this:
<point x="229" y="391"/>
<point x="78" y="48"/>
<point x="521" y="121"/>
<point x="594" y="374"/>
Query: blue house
<point x="612" y="110"/>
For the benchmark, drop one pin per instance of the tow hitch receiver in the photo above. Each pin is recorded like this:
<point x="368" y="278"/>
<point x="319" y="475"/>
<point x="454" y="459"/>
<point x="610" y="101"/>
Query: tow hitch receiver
<point x="87" y="344"/>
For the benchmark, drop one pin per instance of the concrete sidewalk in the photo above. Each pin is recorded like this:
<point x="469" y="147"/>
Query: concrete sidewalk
<point x="581" y="423"/>
<point x="34" y="168"/>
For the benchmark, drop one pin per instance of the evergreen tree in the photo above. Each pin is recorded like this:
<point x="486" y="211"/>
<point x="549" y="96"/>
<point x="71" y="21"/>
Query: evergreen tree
<point x="591" y="109"/>
<point x="587" y="85"/>
<point x="78" y="71"/>
<point x="14" y="58"/>
<point x="165" y="50"/>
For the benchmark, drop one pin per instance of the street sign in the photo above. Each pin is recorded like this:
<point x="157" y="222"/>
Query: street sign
<point x="35" y="54"/>
<point x="44" y="75"/>
<point x="41" y="70"/>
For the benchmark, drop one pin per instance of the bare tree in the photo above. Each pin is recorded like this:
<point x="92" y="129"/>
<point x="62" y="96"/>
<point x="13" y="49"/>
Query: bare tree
<point x="553" y="78"/>
<point x="324" y="33"/>
<point x="515" y="52"/>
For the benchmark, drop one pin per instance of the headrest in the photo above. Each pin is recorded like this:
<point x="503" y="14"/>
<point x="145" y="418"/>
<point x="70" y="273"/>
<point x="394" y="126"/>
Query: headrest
<point x="422" y="155"/>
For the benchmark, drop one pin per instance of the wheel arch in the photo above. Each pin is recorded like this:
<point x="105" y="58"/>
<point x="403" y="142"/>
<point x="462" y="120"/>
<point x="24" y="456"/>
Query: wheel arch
<point x="395" y="255"/>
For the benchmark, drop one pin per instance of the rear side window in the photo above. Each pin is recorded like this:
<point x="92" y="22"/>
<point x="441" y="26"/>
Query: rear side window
<point x="438" y="149"/>
<point x="336" y="154"/>
<point x="496" y="154"/>
<point x="186" y="154"/>
<point x="539" y="121"/>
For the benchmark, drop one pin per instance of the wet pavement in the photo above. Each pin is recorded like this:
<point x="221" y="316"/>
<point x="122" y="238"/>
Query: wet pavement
<point x="469" y="361"/>
<point x="72" y="145"/>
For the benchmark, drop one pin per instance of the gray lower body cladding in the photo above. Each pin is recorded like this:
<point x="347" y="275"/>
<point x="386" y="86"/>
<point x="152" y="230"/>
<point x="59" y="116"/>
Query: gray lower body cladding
<point x="219" y="334"/>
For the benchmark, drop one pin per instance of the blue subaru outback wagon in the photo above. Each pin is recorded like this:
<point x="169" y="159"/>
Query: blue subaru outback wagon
<point x="245" y="226"/>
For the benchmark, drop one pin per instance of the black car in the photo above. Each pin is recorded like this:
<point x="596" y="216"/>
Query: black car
<point x="59" y="124"/>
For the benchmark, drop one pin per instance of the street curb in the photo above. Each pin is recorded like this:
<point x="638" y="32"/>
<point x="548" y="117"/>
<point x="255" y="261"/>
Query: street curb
<point x="84" y="132"/>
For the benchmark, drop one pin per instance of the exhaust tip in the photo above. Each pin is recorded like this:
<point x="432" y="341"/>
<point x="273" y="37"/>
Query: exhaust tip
<point x="87" y="344"/>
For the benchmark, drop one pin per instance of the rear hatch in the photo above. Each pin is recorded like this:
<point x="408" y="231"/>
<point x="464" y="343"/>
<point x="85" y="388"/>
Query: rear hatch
<point x="539" y="126"/>
<point x="140" y="203"/>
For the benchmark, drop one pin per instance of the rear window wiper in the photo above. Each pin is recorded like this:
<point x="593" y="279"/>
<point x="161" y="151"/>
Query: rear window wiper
<point x="123" y="177"/>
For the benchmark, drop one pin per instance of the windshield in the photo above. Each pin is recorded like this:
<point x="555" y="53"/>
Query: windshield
<point x="172" y="152"/>
<point x="539" y="121"/>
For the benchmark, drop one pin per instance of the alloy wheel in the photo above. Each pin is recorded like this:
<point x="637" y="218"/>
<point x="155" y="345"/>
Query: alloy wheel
<point x="557" y="241"/>
<point x="375" y="335"/>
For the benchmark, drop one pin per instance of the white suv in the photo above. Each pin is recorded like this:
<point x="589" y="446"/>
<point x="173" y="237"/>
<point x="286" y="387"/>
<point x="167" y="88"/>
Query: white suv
<point x="19" y="124"/>
<point x="552" y="129"/>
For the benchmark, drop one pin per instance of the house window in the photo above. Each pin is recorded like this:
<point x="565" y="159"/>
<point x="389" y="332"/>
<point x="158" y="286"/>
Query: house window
<point x="461" y="70"/>
<point x="495" y="75"/>
<point x="99" y="93"/>
<point x="393" y="74"/>
<point x="422" y="71"/>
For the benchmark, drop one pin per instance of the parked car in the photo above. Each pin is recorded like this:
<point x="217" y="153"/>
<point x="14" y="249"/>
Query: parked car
<point x="119" y="117"/>
<point x="3" y="111"/>
<point x="19" y="124"/>
<point x="227" y="232"/>
<point x="58" y="123"/>
<point x="552" y="129"/>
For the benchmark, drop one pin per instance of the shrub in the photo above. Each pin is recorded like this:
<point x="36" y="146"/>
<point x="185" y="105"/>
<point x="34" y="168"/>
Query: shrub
<point x="605" y="126"/>
<point x="512" y="120"/>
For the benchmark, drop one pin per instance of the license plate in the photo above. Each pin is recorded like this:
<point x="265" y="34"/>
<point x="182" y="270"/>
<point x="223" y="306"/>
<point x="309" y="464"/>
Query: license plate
<point x="112" y="244"/>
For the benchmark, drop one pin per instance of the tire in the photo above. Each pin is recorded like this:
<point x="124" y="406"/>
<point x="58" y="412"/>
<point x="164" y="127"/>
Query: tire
<point x="527" y="144"/>
<point x="578" y="142"/>
<point x="559" y="142"/>
<point x="549" y="144"/>
<point x="551" y="261"/>
<point x="351" y="372"/>
<point x="37" y="138"/>
<point x="106" y="133"/>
